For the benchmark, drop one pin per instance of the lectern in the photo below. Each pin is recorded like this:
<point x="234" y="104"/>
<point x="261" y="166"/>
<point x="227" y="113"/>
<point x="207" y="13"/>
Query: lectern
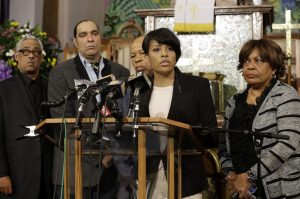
<point x="170" y="128"/>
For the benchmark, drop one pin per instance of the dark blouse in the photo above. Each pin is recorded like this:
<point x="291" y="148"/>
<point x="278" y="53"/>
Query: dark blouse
<point x="242" y="147"/>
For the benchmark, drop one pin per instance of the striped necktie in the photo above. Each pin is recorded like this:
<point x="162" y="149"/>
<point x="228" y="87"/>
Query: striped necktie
<point x="95" y="67"/>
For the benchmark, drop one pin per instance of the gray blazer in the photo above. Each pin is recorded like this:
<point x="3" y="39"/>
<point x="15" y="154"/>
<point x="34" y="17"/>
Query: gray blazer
<point x="279" y="114"/>
<point x="61" y="79"/>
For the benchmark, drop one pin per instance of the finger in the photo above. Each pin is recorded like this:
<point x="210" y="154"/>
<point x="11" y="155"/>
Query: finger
<point x="9" y="190"/>
<point x="4" y="191"/>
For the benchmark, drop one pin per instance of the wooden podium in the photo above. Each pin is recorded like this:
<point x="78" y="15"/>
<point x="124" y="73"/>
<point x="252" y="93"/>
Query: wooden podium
<point x="162" y="126"/>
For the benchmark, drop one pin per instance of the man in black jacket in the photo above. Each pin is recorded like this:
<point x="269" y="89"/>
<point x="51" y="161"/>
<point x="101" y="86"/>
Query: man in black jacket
<point x="24" y="164"/>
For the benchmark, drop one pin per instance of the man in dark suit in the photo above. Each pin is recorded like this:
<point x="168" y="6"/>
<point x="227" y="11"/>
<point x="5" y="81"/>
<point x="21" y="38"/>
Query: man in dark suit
<point x="25" y="164"/>
<point x="87" y="39"/>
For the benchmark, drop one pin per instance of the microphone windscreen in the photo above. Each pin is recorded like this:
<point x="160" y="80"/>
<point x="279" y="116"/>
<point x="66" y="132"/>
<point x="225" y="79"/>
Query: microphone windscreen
<point x="141" y="80"/>
<point x="105" y="80"/>
<point x="81" y="85"/>
<point x="116" y="88"/>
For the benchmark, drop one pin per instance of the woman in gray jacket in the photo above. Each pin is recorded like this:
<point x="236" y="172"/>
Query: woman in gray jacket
<point x="266" y="105"/>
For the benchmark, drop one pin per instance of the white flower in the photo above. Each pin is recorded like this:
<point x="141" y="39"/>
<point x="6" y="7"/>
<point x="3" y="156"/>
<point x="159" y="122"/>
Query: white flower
<point x="24" y="35"/>
<point x="21" y="30"/>
<point x="10" y="53"/>
<point x="44" y="53"/>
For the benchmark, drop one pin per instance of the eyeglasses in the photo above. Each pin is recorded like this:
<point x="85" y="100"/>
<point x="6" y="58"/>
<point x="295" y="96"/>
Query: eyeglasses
<point x="26" y="52"/>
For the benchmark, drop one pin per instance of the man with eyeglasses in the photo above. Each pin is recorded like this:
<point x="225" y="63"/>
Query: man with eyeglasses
<point x="25" y="163"/>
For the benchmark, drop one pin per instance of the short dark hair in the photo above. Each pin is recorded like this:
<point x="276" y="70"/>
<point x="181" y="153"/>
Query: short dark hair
<point x="84" y="20"/>
<point x="268" y="50"/>
<point x="162" y="36"/>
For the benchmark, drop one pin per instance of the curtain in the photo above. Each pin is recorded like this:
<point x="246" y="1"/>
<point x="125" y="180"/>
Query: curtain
<point x="4" y="10"/>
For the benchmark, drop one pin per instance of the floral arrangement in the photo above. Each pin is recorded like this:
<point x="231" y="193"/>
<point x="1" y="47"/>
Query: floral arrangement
<point x="10" y="33"/>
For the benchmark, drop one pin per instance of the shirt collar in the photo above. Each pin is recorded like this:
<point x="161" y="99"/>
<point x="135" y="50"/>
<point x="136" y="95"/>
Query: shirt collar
<point x="86" y="63"/>
<point x="27" y="80"/>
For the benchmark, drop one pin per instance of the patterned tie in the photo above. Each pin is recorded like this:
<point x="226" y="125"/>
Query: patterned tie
<point x="95" y="67"/>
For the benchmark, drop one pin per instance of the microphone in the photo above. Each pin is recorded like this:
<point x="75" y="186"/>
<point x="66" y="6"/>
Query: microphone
<point x="112" y="89"/>
<point x="101" y="84"/>
<point x="206" y="130"/>
<point x="82" y="86"/>
<point x="60" y="101"/>
<point x="140" y="82"/>
<point x="105" y="80"/>
<point x="115" y="90"/>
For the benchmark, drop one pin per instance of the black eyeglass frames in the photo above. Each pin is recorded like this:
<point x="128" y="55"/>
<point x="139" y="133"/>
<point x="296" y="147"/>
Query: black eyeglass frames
<point x="26" y="52"/>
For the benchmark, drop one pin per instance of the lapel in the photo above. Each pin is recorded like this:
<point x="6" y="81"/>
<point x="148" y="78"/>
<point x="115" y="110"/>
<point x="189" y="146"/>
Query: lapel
<point x="27" y="100"/>
<point x="177" y="92"/>
<point x="107" y="70"/>
<point x="176" y="98"/>
<point x="80" y="68"/>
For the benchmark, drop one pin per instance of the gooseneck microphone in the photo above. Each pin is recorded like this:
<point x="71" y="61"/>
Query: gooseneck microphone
<point x="60" y="101"/>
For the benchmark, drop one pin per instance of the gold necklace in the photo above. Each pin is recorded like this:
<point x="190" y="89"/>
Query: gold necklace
<point x="252" y="93"/>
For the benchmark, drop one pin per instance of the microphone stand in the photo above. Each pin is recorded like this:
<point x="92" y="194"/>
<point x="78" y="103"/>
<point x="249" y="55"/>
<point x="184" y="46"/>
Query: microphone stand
<point x="78" y="147"/>
<point x="79" y="116"/>
<point x="258" y="140"/>
<point x="136" y="108"/>
<point x="133" y="112"/>
<point x="258" y="143"/>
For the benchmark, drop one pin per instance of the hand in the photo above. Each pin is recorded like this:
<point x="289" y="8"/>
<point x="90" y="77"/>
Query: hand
<point x="241" y="185"/>
<point x="230" y="178"/>
<point x="106" y="161"/>
<point x="5" y="185"/>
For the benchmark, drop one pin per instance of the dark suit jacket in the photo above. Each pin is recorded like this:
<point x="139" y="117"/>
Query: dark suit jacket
<point x="21" y="159"/>
<point x="61" y="79"/>
<point x="191" y="104"/>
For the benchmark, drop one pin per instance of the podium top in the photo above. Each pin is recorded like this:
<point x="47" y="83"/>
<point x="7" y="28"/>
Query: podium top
<point x="165" y="127"/>
<point x="143" y="122"/>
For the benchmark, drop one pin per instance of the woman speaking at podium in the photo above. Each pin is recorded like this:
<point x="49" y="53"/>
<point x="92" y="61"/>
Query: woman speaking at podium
<point x="180" y="97"/>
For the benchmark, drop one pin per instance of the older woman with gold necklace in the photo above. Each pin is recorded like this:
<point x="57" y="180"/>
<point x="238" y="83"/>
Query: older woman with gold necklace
<point x="266" y="105"/>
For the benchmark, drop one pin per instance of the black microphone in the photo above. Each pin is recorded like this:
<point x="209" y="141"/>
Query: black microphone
<point x="82" y="84"/>
<point x="60" y="101"/>
<point x="112" y="90"/>
<point x="86" y="87"/>
<point x="206" y="130"/>
<point x="115" y="89"/>
<point x="105" y="80"/>
<point x="139" y="83"/>
<point x="82" y="87"/>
